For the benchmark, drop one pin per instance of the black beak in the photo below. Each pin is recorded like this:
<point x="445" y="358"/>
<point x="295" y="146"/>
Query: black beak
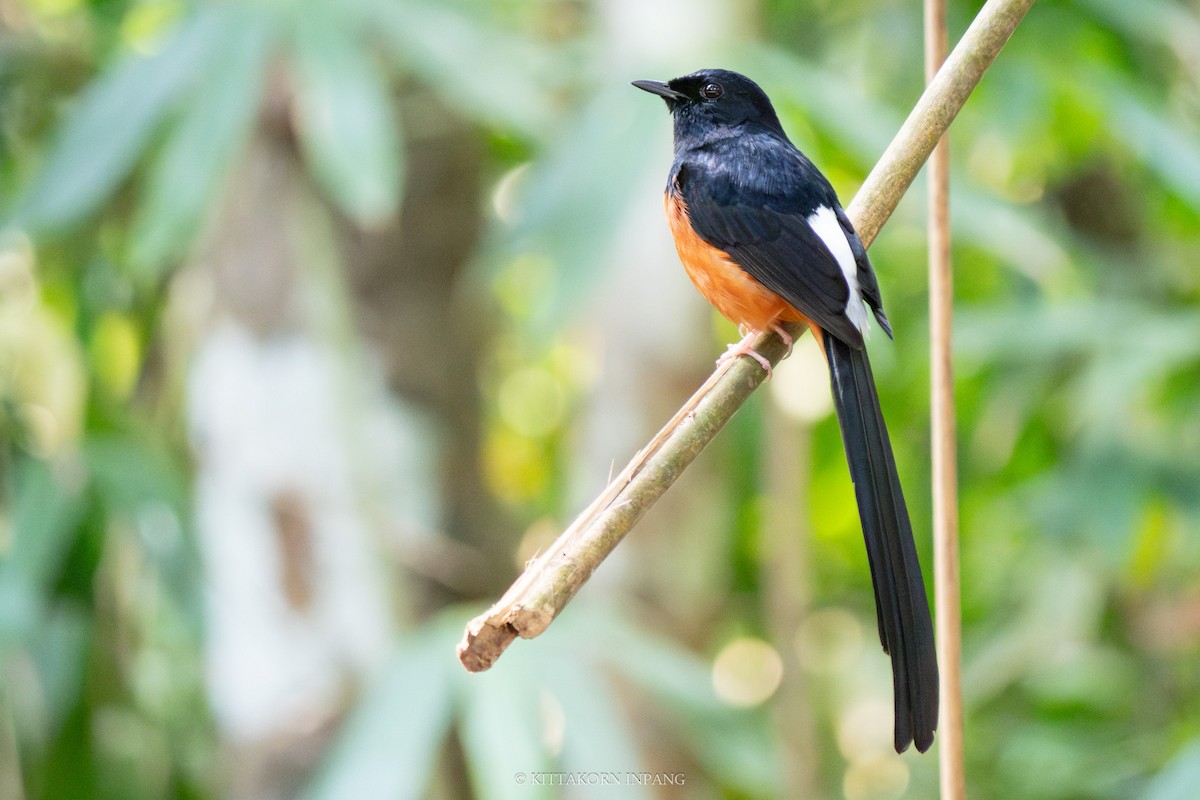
<point x="661" y="89"/>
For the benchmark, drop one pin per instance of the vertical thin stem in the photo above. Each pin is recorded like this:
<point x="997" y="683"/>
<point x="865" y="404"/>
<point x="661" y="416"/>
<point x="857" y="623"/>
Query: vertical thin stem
<point x="945" y="467"/>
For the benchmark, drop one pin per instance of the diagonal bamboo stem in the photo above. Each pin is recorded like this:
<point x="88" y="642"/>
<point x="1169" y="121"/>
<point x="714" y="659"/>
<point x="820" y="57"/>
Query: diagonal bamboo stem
<point x="553" y="578"/>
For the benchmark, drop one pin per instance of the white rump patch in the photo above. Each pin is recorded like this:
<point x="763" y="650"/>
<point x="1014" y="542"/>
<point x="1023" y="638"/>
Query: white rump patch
<point x="824" y="223"/>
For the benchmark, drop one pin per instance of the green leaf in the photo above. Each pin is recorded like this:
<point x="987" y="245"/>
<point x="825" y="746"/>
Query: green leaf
<point x="1167" y="146"/>
<point x="58" y="650"/>
<point x="861" y="123"/>
<point x="388" y="747"/>
<point x="733" y="744"/>
<point x="44" y="520"/>
<point x="203" y="144"/>
<point x="446" y="47"/>
<point x="597" y="737"/>
<point x="347" y="120"/>
<point x="1149" y="19"/>
<point x="569" y="206"/>
<point x="131" y="472"/>
<point x="108" y="130"/>
<point x="501" y="729"/>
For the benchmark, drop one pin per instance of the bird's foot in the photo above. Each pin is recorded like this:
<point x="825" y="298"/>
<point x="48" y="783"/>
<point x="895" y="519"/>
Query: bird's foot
<point x="743" y="348"/>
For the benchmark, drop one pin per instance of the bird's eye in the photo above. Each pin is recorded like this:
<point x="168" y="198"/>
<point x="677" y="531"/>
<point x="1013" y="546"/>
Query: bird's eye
<point x="711" y="91"/>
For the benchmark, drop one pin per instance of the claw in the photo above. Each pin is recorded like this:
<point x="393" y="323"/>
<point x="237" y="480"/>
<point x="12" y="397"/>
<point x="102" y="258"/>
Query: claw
<point x="787" y="338"/>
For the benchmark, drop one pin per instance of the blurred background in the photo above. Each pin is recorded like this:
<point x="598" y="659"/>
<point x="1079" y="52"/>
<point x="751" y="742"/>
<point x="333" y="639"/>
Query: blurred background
<point x="318" y="318"/>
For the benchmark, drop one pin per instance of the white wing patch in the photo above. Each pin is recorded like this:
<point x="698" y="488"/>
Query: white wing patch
<point x="824" y="223"/>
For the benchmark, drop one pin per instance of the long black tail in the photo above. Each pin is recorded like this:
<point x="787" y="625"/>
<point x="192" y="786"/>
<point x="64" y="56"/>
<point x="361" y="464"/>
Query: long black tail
<point x="905" y="627"/>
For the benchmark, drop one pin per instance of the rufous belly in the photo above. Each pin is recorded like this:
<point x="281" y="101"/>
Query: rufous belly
<point x="738" y="296"/>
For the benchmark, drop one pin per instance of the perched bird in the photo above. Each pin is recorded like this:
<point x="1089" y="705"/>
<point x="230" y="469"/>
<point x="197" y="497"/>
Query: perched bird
<point x="761" y="233"/>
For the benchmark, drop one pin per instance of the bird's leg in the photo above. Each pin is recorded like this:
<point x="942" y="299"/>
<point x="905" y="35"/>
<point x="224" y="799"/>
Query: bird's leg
<point x="787" y="338"/>
<point x="743" y="348"/>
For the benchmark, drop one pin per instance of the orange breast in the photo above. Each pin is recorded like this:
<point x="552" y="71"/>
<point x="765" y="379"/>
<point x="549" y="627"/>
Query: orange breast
<point x="739" y="297"/>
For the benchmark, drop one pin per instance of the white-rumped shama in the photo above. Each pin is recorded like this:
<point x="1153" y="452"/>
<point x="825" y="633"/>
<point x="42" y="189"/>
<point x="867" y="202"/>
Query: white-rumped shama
<point x="761" y="233"/>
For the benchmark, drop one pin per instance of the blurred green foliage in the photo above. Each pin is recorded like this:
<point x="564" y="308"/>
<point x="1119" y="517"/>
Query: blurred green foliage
<point x="1077" y="231"/>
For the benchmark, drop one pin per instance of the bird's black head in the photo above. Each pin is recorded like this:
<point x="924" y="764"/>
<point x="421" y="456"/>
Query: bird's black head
<point x="714" y="101"/>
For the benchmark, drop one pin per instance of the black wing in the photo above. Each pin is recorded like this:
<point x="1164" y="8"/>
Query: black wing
<point x="758" y="215"/>
<point x="868" y="285"/>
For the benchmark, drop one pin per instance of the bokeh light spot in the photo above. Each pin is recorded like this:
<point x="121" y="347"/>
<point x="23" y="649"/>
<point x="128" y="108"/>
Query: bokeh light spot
<point x="746" y="672"/>
<point x="531" y="402"/>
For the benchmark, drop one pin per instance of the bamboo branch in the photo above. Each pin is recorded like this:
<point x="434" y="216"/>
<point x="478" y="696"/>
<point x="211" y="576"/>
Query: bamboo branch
<point x="945" y="464"/>
<point x="553" y="578"/>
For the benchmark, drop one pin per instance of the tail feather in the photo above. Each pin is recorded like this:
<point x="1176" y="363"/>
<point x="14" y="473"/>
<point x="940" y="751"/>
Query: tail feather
<point x="905" y="626"/>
